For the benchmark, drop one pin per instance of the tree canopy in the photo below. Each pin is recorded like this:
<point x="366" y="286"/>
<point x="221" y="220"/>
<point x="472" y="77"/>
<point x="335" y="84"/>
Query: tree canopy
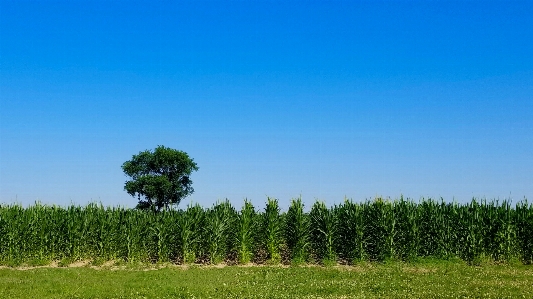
<point x="159" y="178"/>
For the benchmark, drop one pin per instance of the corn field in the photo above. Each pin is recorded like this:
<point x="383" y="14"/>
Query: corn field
<point x="374" y="230"/>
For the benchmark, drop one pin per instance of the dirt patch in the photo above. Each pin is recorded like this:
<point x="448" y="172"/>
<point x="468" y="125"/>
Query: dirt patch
<point x="78" y="264"/>
<point x="54" y="264"/>
<point x="247" y="265"/>
<point x="119" y="265"/>
<point x="108" y="264"/>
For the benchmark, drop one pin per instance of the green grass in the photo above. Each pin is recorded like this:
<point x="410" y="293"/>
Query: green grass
<point x="425" y="279"/>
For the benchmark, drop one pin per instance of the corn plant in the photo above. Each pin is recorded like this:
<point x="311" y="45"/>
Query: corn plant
<point x="296" y="231"/>
<point x="245" y="233"/>
<point x="271" y="230"/>
<point x="506" y="234"/>
<point x="469" y="240"/>
<point x="190" y="224"/>
<point x="406" y="235"/>
<point x="165" y="233"/>
<point x="436" y="229"/>
<point x="350" y="231"/>
<point x="380" y="229"/>
<point x="524" y="230"/>
<point x="218" y="224"/>
<point x="322" y="232"/>
<point x="498" y="231"/>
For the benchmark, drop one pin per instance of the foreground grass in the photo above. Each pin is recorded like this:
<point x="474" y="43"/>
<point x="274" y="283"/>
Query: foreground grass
<point x="369" y="280"/>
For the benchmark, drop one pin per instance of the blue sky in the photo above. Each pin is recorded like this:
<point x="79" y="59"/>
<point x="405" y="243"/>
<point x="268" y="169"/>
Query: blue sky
<point x="323" y="99"/>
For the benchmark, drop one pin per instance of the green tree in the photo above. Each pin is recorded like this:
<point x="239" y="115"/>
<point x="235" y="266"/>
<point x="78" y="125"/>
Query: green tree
<point x="159" y="178"/>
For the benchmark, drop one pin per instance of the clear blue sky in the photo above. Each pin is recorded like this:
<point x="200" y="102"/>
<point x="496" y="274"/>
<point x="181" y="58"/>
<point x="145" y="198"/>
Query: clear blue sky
<point x="323" y="99"/>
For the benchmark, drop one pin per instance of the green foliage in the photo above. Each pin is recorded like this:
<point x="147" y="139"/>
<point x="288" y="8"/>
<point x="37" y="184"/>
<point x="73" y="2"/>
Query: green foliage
<point x="352" y="243"/>
<point x="272" y="230"/>
<point x="159" y="178"/>
<point x="379" y="229"/>
<point x="351" y="232"/>
<point x="219" y="225"/>
<point x="322" y="232"/>
<point x="435" y="228"/>
<point x="296" y="231"/>
<point x="407" y="235"/>
<point x="246" y="228"/>
<point x="523" y="218"/>
<point x="190" y="225"/>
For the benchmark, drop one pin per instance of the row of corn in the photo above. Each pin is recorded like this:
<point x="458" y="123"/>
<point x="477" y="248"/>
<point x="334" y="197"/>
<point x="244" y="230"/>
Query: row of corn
<point x="374" y="230"/>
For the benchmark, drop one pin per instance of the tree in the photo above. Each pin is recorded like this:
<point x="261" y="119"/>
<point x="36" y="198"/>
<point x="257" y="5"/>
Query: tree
<point x="159" y="178"/>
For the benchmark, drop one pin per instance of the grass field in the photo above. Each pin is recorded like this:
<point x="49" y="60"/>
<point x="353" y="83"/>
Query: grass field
<point x="425" y="279"/>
